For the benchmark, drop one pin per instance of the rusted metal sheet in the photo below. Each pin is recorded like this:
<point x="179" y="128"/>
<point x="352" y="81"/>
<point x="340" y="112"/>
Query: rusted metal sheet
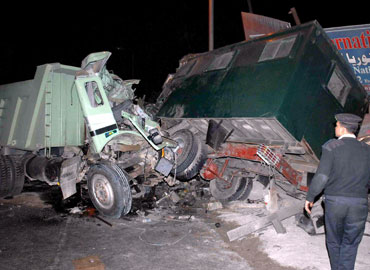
<point x="256" y="25"/>
<point x="248" y="152"/>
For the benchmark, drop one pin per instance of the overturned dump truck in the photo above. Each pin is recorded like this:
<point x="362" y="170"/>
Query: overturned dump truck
<point x="264" y="107"/>
<point x="74" y="125"/>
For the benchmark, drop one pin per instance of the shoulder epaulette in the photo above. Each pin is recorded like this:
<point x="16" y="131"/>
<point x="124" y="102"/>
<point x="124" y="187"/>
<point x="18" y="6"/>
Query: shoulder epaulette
<point x="331" y="144"/>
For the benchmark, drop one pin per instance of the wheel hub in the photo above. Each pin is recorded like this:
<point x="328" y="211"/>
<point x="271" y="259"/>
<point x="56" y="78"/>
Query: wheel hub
<point x="103" y="191"/>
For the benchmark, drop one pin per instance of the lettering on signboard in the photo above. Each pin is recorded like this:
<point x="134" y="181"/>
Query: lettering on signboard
<point x="356" y="42"/>
<point x="354" y="46"/>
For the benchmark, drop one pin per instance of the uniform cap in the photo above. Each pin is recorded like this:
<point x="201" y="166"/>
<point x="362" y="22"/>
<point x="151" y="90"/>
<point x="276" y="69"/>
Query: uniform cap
<point x="348" y="120"/>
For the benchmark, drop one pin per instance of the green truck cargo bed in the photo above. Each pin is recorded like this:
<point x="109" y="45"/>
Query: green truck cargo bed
<point x="42" y="113"/>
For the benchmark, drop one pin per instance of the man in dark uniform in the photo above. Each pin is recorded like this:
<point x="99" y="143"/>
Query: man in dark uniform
<point x="344" y="175"/>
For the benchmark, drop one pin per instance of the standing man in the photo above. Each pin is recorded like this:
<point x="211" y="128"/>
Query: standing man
<point x="344" y="175"/>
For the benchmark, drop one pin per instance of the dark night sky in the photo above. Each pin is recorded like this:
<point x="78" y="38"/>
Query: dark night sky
<point x="147" y="38"/>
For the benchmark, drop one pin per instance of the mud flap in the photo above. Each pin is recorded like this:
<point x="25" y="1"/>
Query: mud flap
<point x="68" y="176"/>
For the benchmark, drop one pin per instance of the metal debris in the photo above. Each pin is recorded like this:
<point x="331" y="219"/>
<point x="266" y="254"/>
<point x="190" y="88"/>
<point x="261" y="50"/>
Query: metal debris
<point x="211" y="206"/>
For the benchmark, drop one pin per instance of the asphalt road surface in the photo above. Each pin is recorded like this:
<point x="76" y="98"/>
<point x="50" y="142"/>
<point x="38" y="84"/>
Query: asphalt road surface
<point x="38" y="233"/>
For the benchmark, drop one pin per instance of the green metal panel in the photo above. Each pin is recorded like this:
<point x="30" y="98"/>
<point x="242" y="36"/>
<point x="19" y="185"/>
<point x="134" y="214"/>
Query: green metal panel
<point x="287" y="75"/>
<point x="67" y="122"/>
<point x="43" y="112"/>
<point x="97" y="110"/>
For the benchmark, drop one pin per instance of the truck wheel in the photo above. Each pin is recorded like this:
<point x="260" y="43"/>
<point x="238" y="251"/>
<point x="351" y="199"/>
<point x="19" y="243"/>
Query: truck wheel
<point x="109" y="190"/>
<point x="6" y="176"/>
<point x="239" y="189"/>
<point x="18" y="181"/>
<point x="246" y="191"/>
<point x="190" y="154"/>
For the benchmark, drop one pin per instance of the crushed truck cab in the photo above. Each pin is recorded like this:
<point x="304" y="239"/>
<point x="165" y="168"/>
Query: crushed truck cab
<point x="74" y="125"/>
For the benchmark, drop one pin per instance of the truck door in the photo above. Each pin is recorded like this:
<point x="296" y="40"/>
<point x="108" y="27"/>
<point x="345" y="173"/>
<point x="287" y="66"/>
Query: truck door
<point x="97" y="111"/>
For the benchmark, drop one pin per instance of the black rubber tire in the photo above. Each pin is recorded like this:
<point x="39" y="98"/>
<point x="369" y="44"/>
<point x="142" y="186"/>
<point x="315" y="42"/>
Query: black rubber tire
<point x="6" y="176"/>
<point x="193" y="154"/>
<point x="3" y="179"/>
<point x="19" y="177"/>
<point x="239" y="190"/>
<point x="246" y="191"/>
<point x="368" y="202"/>
<point x="109" y="190"/>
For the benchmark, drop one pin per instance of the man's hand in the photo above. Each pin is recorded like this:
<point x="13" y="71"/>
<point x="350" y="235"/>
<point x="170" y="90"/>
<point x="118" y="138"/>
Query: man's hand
<point x="308" y="205"/>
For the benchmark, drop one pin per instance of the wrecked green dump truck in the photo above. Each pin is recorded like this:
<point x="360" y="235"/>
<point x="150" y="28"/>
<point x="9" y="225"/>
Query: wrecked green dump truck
<point x="73" y="125"/>
<point x="264" y="107"/>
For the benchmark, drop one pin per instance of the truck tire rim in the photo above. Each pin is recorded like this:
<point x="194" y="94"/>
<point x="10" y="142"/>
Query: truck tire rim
<point x="103" y="191"/>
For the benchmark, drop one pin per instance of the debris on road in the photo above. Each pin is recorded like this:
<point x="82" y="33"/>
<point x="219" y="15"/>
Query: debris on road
<point x="272" y="219"/>
<point x="214" y="206"/>
<point x="75" y="210"/>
